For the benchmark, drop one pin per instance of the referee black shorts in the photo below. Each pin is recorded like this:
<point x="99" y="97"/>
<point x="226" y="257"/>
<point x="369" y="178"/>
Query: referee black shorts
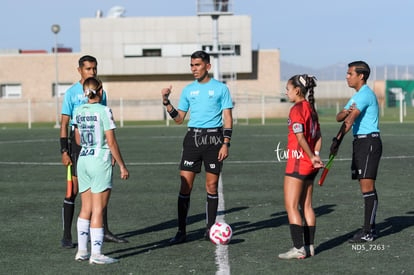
<point x="74" y="152"/>
<point x="202" y="145"/>
<point x="367" y="151"/>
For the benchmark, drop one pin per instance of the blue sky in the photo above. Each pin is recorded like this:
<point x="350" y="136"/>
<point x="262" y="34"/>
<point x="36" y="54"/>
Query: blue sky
<point x="314" y="33"/>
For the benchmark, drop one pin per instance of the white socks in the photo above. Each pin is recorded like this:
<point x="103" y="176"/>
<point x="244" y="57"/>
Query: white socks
<point x="83" y="234"/>
<point x="97" y="235"/>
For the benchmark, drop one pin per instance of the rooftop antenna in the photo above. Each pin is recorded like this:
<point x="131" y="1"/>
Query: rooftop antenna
<point x="214" y="9"/>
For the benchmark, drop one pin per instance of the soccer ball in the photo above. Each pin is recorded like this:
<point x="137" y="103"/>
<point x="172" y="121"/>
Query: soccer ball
<point x="220" y="233"/>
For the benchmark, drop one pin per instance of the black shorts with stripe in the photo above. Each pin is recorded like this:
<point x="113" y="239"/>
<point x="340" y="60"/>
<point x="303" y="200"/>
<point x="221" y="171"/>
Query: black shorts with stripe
<point x="202" y="145"/>
<point x="366" y="155"/>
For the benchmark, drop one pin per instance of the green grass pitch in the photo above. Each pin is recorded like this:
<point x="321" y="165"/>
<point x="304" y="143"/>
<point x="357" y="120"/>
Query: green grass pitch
<point x="143" y="209"/>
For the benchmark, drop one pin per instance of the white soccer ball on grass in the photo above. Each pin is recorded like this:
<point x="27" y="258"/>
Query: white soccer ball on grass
<point x="221" y="233"/>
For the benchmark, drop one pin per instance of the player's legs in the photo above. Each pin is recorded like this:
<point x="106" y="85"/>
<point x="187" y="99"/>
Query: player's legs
<point x="187" y="180"/>
<point x="99" y="202"/>
<point x="68" y="211"/>
<point x="309" y="215"/>
<point x="68" y="208"/>
<point x="83" y="223"/>
<point x="293" y="190"/>
<point x="212" y="200"/>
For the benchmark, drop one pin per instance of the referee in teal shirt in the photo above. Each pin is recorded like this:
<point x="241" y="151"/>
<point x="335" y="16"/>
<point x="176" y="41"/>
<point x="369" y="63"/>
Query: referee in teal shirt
<point x="207" y="140"/>
<point x="361" y="113"/>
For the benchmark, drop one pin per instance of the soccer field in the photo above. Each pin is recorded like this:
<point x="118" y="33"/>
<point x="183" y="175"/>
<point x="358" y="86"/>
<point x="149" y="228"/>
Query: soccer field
<point x="143" y="208"/>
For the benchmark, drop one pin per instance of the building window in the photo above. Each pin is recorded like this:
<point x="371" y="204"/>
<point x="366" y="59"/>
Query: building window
<point x="11" y="91"/>
<point x="151" y="52"/>
<point x="225" y="49"/>
<point x="62" y="87"/>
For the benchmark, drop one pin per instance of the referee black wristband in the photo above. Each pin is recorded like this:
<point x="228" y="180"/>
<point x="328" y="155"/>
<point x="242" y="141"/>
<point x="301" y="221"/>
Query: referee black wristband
<point x="166" y="103"/>
<point x="173" y="113"/>
<point x="64" y="145"/>
<point x="227" y="132"/>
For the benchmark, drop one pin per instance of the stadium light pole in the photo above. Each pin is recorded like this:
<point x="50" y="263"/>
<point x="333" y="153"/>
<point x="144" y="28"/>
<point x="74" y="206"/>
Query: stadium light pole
<point x="55" y="30"/>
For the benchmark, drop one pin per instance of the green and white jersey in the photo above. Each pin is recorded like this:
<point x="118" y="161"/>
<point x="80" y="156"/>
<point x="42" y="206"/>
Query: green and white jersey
<point x="92" y="121"/>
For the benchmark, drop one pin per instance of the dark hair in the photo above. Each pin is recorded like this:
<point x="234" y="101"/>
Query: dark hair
<point x="86" y="58"/>
<point x="91" y="86"/>
<point x="361" y="67"/>
<point x="306" y="83"/>
<point x="201" y="54"/>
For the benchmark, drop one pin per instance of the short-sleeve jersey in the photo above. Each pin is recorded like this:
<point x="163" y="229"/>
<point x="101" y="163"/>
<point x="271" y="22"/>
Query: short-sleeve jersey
<point x="92" y="121"/>
<point x="206" y="102"/>
<point x="300" y="121"/>
<point x="366" y="102"/>
<point x="74" y="97"/>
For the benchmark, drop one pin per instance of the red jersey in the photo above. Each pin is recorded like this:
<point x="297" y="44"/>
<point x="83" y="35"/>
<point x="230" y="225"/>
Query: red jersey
<point x="300" y="121"/>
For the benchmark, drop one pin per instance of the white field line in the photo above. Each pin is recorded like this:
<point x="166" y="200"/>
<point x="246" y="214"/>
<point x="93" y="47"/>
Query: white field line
<point x="176" y="163"/>
<point x="222" y="253"/>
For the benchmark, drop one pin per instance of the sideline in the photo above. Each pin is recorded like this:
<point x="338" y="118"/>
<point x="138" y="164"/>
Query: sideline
<point x="222" y="253"/>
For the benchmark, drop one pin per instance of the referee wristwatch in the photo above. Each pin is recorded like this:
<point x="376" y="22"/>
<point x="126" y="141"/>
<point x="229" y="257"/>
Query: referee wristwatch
<point x="227" y="144"/>
<point x="64" y="150"/>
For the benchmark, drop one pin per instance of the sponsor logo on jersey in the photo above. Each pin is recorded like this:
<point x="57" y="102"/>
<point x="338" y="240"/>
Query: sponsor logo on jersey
<point x="210" y="93"/>
<point x="194" y="93"/>
<point x="188" y="163"/>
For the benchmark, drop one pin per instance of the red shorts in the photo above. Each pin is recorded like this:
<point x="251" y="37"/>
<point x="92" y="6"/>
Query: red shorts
<point x="299" y="166"/>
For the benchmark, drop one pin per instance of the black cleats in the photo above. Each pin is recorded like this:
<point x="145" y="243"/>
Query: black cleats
<point x="111" y="238"/>
<point x="67" y="244"/>
<point x="179" y="238"/>
<point x="362" y="237"/>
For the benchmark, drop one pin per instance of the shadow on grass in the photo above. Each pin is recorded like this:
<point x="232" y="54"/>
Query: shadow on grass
<point x="194" y="235"/>
<point x="277" y="219"/>
<point x="389" y="226"/>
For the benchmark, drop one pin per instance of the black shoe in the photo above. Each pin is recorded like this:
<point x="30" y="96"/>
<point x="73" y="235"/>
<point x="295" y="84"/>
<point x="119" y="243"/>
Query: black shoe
<point x="111" y="238"/>
<point x="67" y="243"/>
<point x="374" y="232"/>
<point x="179" y="238"/>
<point x="361" y="237"/>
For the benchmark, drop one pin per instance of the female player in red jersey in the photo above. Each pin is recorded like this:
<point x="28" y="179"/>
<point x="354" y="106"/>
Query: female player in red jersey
<point x="304" y="143"/>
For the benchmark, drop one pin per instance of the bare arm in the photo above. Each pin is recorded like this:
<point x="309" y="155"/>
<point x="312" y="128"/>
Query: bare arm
<point x="180" y="115"/>
<point x="64" y="124"/>
<point x="228" y="124"/>
<point x="316" y="160"/>
<point x="342" y="115"/>
<point x="345" y="127"/>
<point x="116" y="154"/>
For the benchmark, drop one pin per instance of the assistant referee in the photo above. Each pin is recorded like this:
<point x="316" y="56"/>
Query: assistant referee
<point x="361" y="113"/>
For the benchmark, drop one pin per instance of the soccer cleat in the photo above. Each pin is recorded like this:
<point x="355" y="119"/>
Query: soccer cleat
<point x="362" y="237"/>
<point x="179" y="238"/>
<point x="374" y="232"/>
<point x="82" y="255"/>
<point x="310" y="250"/>
<point x="67" y="243"/>
<point x="102" y="259"/>
<point x="294" y="253"/>
<point x="111" y="238"/>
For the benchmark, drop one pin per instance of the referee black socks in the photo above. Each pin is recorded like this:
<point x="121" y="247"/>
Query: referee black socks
<point x="211" y="209"/>
<point x="371" y="204"/>
<point x="183" y="206"/>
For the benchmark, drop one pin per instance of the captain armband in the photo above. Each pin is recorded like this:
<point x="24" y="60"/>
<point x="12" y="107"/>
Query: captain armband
<point x="64" y="146"/>
<point x="173" y="113"/>
<point x="297" y="128"/>
<point x="227" y="132"/>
